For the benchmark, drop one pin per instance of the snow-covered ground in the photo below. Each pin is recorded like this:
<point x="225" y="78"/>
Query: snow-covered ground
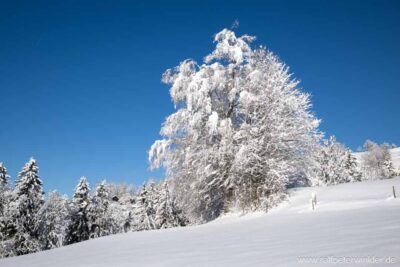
<point x="352" y="220"/>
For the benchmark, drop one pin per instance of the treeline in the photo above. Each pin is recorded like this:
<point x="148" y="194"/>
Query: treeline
<point x="338" y="164"/>
<point x="31" y="222"/>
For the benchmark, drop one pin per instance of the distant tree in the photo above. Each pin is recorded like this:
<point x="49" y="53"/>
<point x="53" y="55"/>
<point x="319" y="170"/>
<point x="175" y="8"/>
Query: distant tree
<point x="78" y="229"/>
<point x="377" y="161"/>
<point x="53" y="221"/>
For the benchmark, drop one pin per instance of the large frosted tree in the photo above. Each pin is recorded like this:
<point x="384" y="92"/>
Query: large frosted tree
<point x="241" y="131"/>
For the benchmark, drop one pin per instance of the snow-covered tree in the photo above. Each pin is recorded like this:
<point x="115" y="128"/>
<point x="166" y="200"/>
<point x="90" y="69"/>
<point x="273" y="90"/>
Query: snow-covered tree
<point x="78" y="229"/>
<point x="167" y="213"/>
<point x="99" y="216"/>
<point x="241" y="131"/>
<point x="5" y="221"/>
<point x="53" y="221"/>
<point x="4" y="189"/>
<point x="145" y="207"/>
<point x="352" y="167"/>
<point x="333" y="163"/>
<point x="388" y="169"/>
<point x="27" y="200"/>
<point x="122" y="200"/>
<point x="377" y="161"/>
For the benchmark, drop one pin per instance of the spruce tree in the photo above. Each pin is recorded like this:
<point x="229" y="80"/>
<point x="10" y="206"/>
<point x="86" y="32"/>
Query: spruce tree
<point x="26" y="202"/>
<point x="78" y="229"/>
<point x="100" y="220"/>
<point x="167" y="214"/>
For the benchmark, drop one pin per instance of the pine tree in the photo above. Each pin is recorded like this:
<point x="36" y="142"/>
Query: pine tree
<point x="78" y="229"/>
<point x="26" y="203"/>
<point x="53" y="221"/>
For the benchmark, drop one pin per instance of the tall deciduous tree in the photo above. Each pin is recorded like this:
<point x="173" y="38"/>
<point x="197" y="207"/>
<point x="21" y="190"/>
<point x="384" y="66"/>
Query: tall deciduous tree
<point x="241" y="131"/>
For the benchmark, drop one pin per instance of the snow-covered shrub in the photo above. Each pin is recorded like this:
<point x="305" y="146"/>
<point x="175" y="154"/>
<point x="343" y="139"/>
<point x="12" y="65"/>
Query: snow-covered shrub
<point x="377" y="161"/>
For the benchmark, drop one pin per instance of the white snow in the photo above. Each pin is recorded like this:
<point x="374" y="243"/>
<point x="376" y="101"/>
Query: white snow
<point x="352" y="220"/>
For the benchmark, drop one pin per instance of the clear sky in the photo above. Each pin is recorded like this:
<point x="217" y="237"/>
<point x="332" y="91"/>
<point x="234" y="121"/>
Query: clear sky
<point x="80" y="80"/>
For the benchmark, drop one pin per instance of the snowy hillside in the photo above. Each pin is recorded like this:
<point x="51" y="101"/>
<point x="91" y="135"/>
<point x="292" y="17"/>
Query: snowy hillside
<point x="355" y="220"/>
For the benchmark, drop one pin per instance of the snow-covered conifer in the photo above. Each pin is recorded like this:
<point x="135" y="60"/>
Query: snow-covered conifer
<point x="4" y="190"/>
<point x="352" y="167"/>
<point x="99" y="216"/>
<point x="26" y="202"/>
<point x="167" y="214"/>
<point x="144" y="210"/>
<point x="78" y="229"/>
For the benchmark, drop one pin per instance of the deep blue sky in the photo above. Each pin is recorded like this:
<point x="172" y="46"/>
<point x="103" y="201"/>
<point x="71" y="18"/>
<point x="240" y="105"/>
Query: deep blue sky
<point x="80" y="80"/>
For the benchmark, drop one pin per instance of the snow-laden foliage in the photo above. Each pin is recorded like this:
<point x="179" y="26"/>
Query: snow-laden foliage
<point x="4" y="190"/>
<point x="20" y="220"/>
<point x="337" y="164"/>
<point x="53" y="221"/>
<point x="377" y="161"/>
<point x="167" y="213"/>
<point x="101" y="222"/>
<point x="78" y="229"/>
<point x="242" y="130"/>
<point x="145" y="207"/>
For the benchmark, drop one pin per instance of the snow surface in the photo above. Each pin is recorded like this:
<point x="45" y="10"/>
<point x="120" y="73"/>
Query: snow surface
<point x="357" y="220"/>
